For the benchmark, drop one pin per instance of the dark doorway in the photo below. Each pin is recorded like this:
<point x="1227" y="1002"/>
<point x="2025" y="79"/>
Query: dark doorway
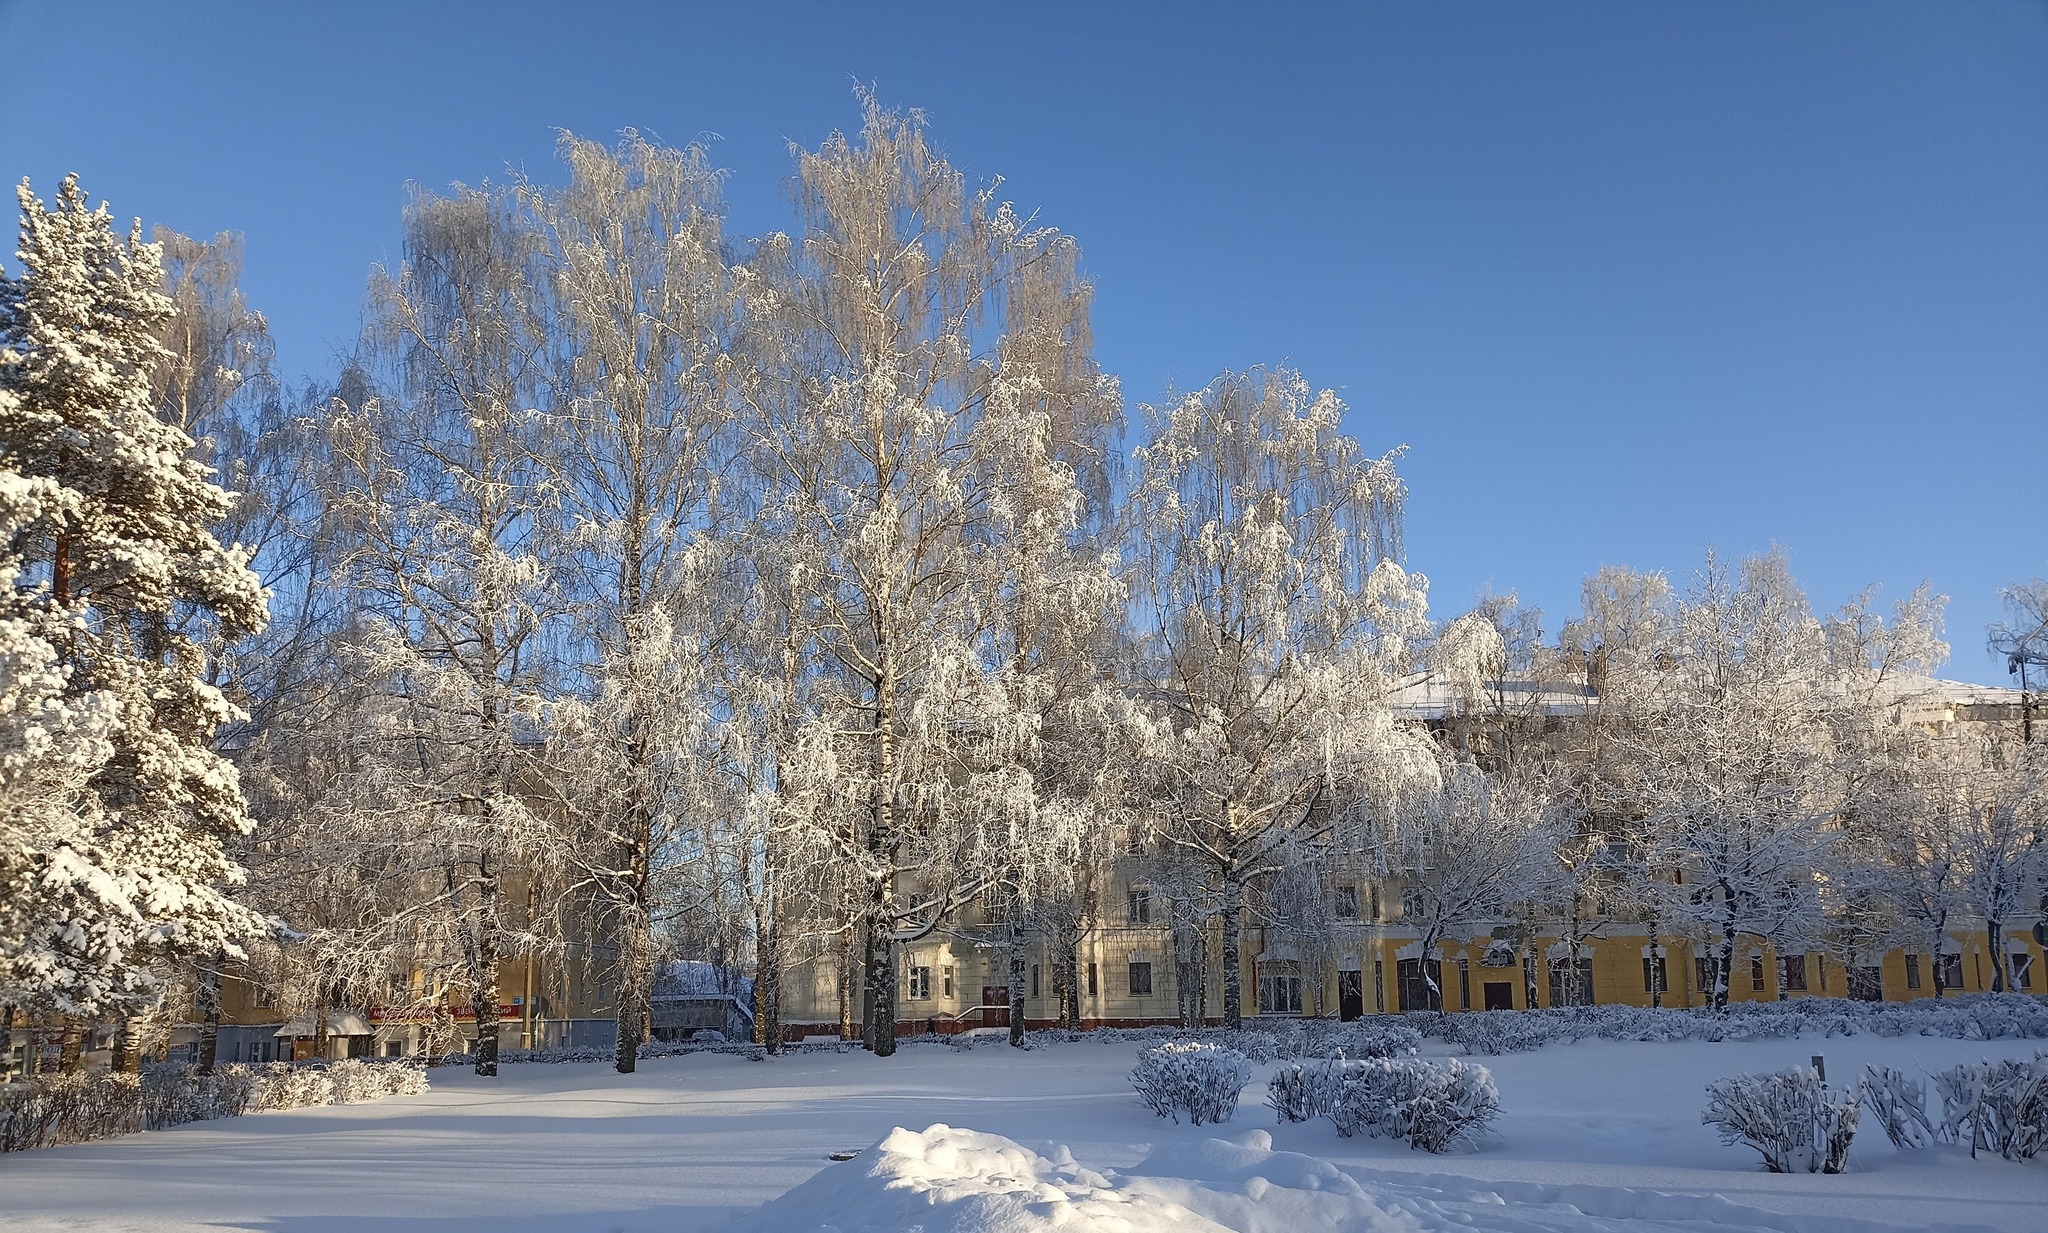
<point x="1350" y="996"/>
<point x="1414" y="989"/>
<point x="1499" y="994"/>
<point x="995" y="1000"/>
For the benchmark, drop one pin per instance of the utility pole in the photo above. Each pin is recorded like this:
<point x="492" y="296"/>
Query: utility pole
<point x="2016" y="663"/>
<point x="2024" y="643"/>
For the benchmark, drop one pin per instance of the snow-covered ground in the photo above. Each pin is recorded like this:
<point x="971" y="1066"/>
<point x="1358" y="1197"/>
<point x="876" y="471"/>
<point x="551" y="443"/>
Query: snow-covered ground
<point x="1595" y="1136"/>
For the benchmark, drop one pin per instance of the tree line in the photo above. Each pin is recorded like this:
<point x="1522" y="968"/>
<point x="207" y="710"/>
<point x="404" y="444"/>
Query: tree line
<point x="639" y="590"/>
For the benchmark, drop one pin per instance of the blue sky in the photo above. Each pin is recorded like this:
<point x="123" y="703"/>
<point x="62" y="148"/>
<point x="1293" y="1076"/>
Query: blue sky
<point x="1629" y="280"/>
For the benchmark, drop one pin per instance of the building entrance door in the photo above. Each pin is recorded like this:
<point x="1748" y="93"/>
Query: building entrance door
<point x="995" y="996"/>
<point x="1350" y="996"/>
<point x="1500" y="995"/>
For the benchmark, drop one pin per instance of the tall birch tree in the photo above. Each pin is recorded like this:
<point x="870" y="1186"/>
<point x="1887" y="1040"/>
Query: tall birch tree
<point x="1275" y="613"/>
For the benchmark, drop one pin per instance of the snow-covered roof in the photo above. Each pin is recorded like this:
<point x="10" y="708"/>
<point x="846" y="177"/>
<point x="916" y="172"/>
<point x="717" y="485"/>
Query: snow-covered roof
<point x="1425" y="695"/>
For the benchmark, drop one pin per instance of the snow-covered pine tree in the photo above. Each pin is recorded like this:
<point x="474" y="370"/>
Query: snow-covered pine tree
<point x="112" y="581"/>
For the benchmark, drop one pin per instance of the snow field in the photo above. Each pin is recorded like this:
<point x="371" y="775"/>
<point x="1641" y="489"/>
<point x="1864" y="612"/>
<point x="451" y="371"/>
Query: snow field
<point x="1596" y="1136"/>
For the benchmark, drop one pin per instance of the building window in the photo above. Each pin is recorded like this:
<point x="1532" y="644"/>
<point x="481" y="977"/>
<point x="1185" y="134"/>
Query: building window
<point x="946" y="980"/>
<point x="918" y="986"/>
<point x="1756" y="973"/>
<point x="1795" y="973"/>
<point x="1656" y="976"/>
<point x="1948" y="971"/>
<point x="1279" y="992"/>
<point x="1912" y="971"/>
<point x="2022" y="970"/>
<point x="1141" y="979"/>
<point x="1372" y="906"/>
<point x="1704" y="972"/>
<point x="1347" y="902"/>
<point x="1034" y="980"/>
<point x="1140" y="905"/>
<point x="1562" y="992"/>
<point x="1091" y="980"/>
<point x="1464" y="983"/>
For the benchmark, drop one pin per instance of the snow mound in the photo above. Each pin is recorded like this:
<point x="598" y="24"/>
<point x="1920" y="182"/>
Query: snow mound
<point x="949" y="1180"/>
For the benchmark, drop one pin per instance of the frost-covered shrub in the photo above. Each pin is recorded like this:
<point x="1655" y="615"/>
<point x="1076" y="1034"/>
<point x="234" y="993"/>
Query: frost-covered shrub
<point x="1501" y="1031"/>
<point x="1255" y="1046"/>
<point x="1900" y="1104"/>
<point x="80" y="1108"/>
<point x="281" y="1085"/>
<point x="354" y="1081"/>
<point x="1321" y="1038"/>
<point x="1433" y="1105"/>
<point x="1458" y="1100"/>
<point x="2004" y="1106"/>
<point x="29" y="1113"/>
<point x="1790" y="1117"/>
<point x="1292" y="1091"/>
<point x="1191" y="1077"/>
<point x="1299" y="1093"/>
<point x="1372" y="1096"/>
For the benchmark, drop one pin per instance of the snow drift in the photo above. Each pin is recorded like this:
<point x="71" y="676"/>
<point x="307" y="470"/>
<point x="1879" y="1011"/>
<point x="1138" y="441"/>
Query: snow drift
<point x="950" y="1180"/>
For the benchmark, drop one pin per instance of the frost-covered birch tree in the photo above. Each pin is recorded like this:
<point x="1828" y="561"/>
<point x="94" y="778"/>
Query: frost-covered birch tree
<point x="885" y="424"/>
<point x="1274" y="613"/>
<point x="113" y="585"/>
<point x="636" y="453"/>
<point x="442" y="527"/>
<point x="1466" y="846"/>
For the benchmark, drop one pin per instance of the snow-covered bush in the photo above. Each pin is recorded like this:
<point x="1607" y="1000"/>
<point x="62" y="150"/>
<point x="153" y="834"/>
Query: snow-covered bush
<point x="1501" y="1031"/>
<point x="560" y="1054"/>
<point x="1457" y="1100"/>
<point x="1986" y="1016"/>
<point x="80" y="1108"/>
<point x="1360" y="1038"/>
<point x="1299" y="1093"/>
<point x="1791" y="1117"/>
<point x="2004" y="1106"/>
<point x="29" y="1113"/>
<point x="354" y="1081"/>
<point x="1900" y="1104"/>
<point x="1372" y="1096"/>
<point x="97" y="1106"/>
<point x="1433" y="1105"/>
<point x="1191" y="1077"/>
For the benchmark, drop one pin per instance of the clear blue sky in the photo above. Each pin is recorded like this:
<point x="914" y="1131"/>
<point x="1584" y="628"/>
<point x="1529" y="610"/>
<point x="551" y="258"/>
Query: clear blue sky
<point x="1630" y="280"/>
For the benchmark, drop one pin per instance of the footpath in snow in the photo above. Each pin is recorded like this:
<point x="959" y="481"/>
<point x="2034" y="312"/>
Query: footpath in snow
<point x="1595" y="1137"/>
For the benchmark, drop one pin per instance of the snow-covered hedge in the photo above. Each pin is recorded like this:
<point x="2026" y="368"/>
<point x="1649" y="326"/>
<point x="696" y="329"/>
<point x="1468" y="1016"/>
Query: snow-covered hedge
<point x="561" y="1054"/>
<point x="1260" y="1044"/>
<point x="1192" y="1077"/>
<point x="1792" y="1118"/>
<point x="80" y="1108"/>
<point x="2002" y="1105"/>
<point x="1500" y="1031"/>
<point x="1431" y="1104"/>
<point x="1980" y="1016"/>
<point x="1322" y="1038"/>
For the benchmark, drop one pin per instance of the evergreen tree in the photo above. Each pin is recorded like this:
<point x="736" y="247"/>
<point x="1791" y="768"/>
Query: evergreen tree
<point x="117" y="810"/>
